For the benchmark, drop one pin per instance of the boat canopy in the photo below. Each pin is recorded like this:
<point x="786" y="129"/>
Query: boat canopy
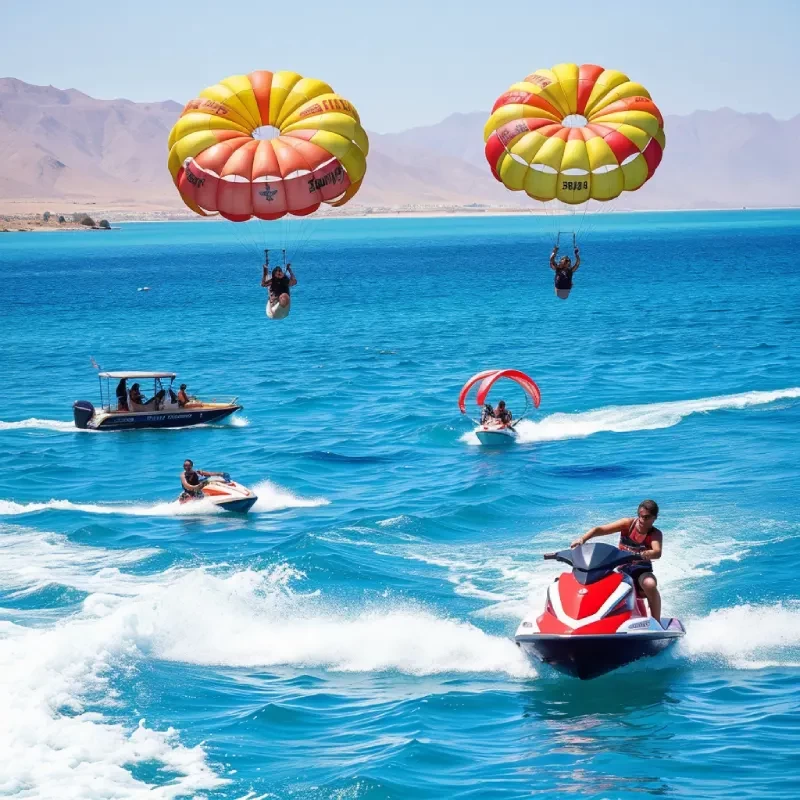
<point x="120" y="375"/>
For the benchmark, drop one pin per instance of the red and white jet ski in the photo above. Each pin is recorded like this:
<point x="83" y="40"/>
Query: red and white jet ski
<point x="223" y="493"/>
<point x="593" y="621"/>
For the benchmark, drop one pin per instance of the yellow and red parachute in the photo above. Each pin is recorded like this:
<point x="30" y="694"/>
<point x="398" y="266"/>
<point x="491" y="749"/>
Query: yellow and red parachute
<point x="574" y="133"/>
<point x="219" y="166"/>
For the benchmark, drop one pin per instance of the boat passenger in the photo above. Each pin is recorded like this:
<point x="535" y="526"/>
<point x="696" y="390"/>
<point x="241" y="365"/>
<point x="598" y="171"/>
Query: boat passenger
<point x="487" y="414"/>
<point x="502" y="414"/>
<point x="279" y="284"/>
<point x="564" y="271"/>
<point x="183" y="398"/>
<point x="639" y="535"/>
<point x="191" y="480"/>
<point x="136" y="401"/>
<point x="122" y="395"/>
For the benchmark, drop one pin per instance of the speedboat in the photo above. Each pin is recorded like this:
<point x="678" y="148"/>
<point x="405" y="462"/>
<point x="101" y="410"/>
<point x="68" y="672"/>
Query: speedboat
<point x="224" y="493"/>
<point x="495" y="434"/>
<point x="593" y="621"/>
<point x="161" y="411"/>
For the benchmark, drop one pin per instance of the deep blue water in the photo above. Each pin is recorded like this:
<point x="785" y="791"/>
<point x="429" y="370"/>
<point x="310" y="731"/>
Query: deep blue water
<point x="353" y="636"/>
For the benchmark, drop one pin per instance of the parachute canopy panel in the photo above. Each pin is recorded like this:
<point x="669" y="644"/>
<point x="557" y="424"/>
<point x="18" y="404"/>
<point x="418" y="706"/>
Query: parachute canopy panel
<point x="574" y="133"/>
<point x="220" y="162"/>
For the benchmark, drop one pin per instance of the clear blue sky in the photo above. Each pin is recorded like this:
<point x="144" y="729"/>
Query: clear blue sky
<point x="414" y="62"/>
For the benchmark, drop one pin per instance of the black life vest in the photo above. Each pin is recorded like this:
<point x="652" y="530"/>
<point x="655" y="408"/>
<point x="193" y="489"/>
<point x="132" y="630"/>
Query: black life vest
<point x="564" y="278"/>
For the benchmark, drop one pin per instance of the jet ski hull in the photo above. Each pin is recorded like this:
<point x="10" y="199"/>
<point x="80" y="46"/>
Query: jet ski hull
<point x="227" y="495"/>
<point x="587" y="656"/>
<point x="240" y="506"/>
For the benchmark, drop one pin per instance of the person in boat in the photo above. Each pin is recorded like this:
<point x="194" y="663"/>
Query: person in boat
<point x="502" y="414"/>
<point x="487" y="414"/>
<point x="278" y="285"/>
<point x="183" y="398"/>
<point x="122" y="395"/>
<point x="564" y="270"/>
<point x="136" y="400"/>
<point x="639" y="535"/>
<point x="138" y="403"/>
<point x="192" y="480"/>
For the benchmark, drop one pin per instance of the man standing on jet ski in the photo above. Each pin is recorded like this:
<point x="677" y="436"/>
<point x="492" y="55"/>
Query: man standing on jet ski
<point x="639" y="535"/>
<point x="191" y="482"/>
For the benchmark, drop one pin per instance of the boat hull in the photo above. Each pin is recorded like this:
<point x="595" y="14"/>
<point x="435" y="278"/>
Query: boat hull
<point x="495" y="437"/>
<point x="589" y="656"/>
<point x="125" y="421"/>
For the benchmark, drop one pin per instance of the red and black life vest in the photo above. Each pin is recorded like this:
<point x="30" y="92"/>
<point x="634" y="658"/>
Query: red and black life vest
<point x="635" y="540"/>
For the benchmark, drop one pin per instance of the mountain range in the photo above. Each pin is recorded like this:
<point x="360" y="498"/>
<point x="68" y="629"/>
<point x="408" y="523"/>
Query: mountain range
<point x="64" y="148"/>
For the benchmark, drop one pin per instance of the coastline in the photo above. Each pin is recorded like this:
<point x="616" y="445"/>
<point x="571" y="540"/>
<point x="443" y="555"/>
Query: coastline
<point x="32" y="223"/>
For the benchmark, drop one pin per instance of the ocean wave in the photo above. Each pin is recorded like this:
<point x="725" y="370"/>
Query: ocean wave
<point x="249" y="619"/>
<point x="746" y="636"/>
<point x="58" y="677"/>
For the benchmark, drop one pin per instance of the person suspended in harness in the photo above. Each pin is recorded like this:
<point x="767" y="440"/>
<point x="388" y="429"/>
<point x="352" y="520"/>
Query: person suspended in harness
<point x="639" y="535"/>
<point x="564" y="270"/>
<point x="278" y="285"/>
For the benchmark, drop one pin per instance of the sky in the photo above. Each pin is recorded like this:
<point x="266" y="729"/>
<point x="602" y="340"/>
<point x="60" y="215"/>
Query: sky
<point x="412" y="63"/>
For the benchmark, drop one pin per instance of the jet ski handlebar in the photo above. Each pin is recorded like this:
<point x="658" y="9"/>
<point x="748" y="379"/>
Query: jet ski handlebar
<point x="593" y="556"/>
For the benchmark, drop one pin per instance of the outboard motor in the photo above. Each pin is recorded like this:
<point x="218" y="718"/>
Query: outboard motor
<point x="82" y="411"/>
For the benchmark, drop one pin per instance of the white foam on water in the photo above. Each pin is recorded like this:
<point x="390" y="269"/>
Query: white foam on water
<point x="57" y="691"/>
<point x="42" y="424"/>
<point x="625" y="419"/>
<point x="271" y="497"/>
<point x="252" y="618"/>
<point x="746" y="636"/>
<point x="238" y="421"/>
<point x="165" y="509"/>
<point x="470" y="438"/>
<point x="51" y="675"/>
<point x="31" y="561"/>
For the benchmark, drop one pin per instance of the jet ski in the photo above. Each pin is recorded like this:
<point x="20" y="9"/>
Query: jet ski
<point x="223" y="493"/>
<point x="593" y="622"/>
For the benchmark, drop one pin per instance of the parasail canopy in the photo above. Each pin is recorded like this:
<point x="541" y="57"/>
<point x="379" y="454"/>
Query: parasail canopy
<point x="574" y="133"/>
<point x="221" y="162"/>
<point x="489" y="377"/>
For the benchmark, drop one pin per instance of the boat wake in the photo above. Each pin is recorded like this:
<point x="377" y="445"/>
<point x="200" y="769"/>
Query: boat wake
<point x="62" y="426"/>
<point x="59" y="675"/>
<point x="627" y="419"/>
<point x="33" y="423"/>
<point x="271" y="497"/>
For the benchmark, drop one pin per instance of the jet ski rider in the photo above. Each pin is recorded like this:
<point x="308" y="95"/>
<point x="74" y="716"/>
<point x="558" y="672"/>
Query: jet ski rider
<point x="639" y="535"/>
<point x="191" y="482"/>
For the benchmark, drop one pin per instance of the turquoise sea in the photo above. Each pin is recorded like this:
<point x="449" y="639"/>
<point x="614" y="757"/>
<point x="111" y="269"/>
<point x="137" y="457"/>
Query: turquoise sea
<point x="353" y="636"/>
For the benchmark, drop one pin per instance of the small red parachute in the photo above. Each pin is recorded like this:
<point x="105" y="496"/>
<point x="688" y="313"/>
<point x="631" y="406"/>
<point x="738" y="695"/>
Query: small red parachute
<point x="488" y="379"/>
